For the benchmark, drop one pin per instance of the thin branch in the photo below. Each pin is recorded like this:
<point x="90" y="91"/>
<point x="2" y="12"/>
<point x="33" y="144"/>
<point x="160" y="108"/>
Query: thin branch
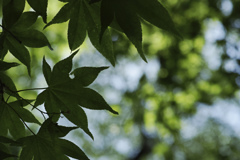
<point x="5" y="29"/>
<point x="20" y="118"/>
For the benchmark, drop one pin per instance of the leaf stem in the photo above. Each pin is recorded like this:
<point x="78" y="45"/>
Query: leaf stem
<point x="31" y="89"/>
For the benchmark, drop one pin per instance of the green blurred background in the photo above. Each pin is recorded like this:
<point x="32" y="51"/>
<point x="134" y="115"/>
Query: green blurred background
<point x="181" y="105"/>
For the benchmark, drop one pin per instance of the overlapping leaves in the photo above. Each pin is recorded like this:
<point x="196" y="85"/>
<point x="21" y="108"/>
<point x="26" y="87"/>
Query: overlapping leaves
<point x="11" y="116"/>
<point x="65" y="95"/>
<point x="126" y="15"/>
<point x="48" y="145"/>
<point x="83" y="19"/>
<point x="17" y="34"/>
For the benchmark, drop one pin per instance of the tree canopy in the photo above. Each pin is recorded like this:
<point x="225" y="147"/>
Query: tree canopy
<point x="32" y="35"/>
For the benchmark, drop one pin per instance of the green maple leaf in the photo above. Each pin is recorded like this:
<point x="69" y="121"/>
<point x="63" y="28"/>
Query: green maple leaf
<point x="18" y="36"/>
<point x="48" y="145"/>
<point x="84" y="18"/>
<point x="11" y="116"/>
<point x="65" y="95"/>
<point x="40" y="6"/>
<point x="6" y="65"/>
<point x="127" y="14"/>
<point x="126" y="18"/>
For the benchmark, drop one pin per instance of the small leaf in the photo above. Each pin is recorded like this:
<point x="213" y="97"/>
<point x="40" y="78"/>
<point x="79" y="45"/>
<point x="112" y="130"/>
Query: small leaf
<point x="63" y="14"/>
<point x="76" y="27"/>
<point x="12" y="10"/>
<point x="5" y="65"/>
<point x="26" y="20"/>
<point x="19" y="51"/>
<point x="86" y="75"/>
<point x="40" y="6"/>
<point x="33" y="38"/>
<point x="46" y="71"/>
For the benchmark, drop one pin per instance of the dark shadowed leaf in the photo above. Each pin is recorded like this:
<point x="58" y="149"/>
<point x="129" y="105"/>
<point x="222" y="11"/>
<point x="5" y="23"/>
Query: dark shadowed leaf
<point x="46" y="71"/>
<point x="63" y="95"/>
<point x="63" y="14"/>
<point x="130" y="24"/>
<point x="40" y="6"/>
<point x="94" y="29"/>
<point x="25" y="114"/>
<point x="26" y="20"/>
<point x="77" y="116"/>
<point x="6" y="140"/>
<point x="86" y="75"/>
<point x="107" y="15"/>
<point x="12" y="10"/>
<point x="9" y="86"/>
<point x="4" y="155"/>
<point x="9" y="120"/>
<point x="33" y="38"/>
<point x="154" y="12"/>
<point x="90" y="99"/>
<point x="47" y="145"/>
<point x="6" y="65"/>
<point x="19" y="51"/>
<point x="71" y="150"/>
<point x="76" y="27"/>
<point x="3" y="46"/>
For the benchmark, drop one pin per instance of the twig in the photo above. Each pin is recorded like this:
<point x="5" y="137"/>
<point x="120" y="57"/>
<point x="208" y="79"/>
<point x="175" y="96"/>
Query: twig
<point x="20" y="118"/>
<point x="10" y="33"/>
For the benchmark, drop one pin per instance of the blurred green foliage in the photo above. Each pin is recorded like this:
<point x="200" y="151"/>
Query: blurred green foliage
<point x="152" y="114"/>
